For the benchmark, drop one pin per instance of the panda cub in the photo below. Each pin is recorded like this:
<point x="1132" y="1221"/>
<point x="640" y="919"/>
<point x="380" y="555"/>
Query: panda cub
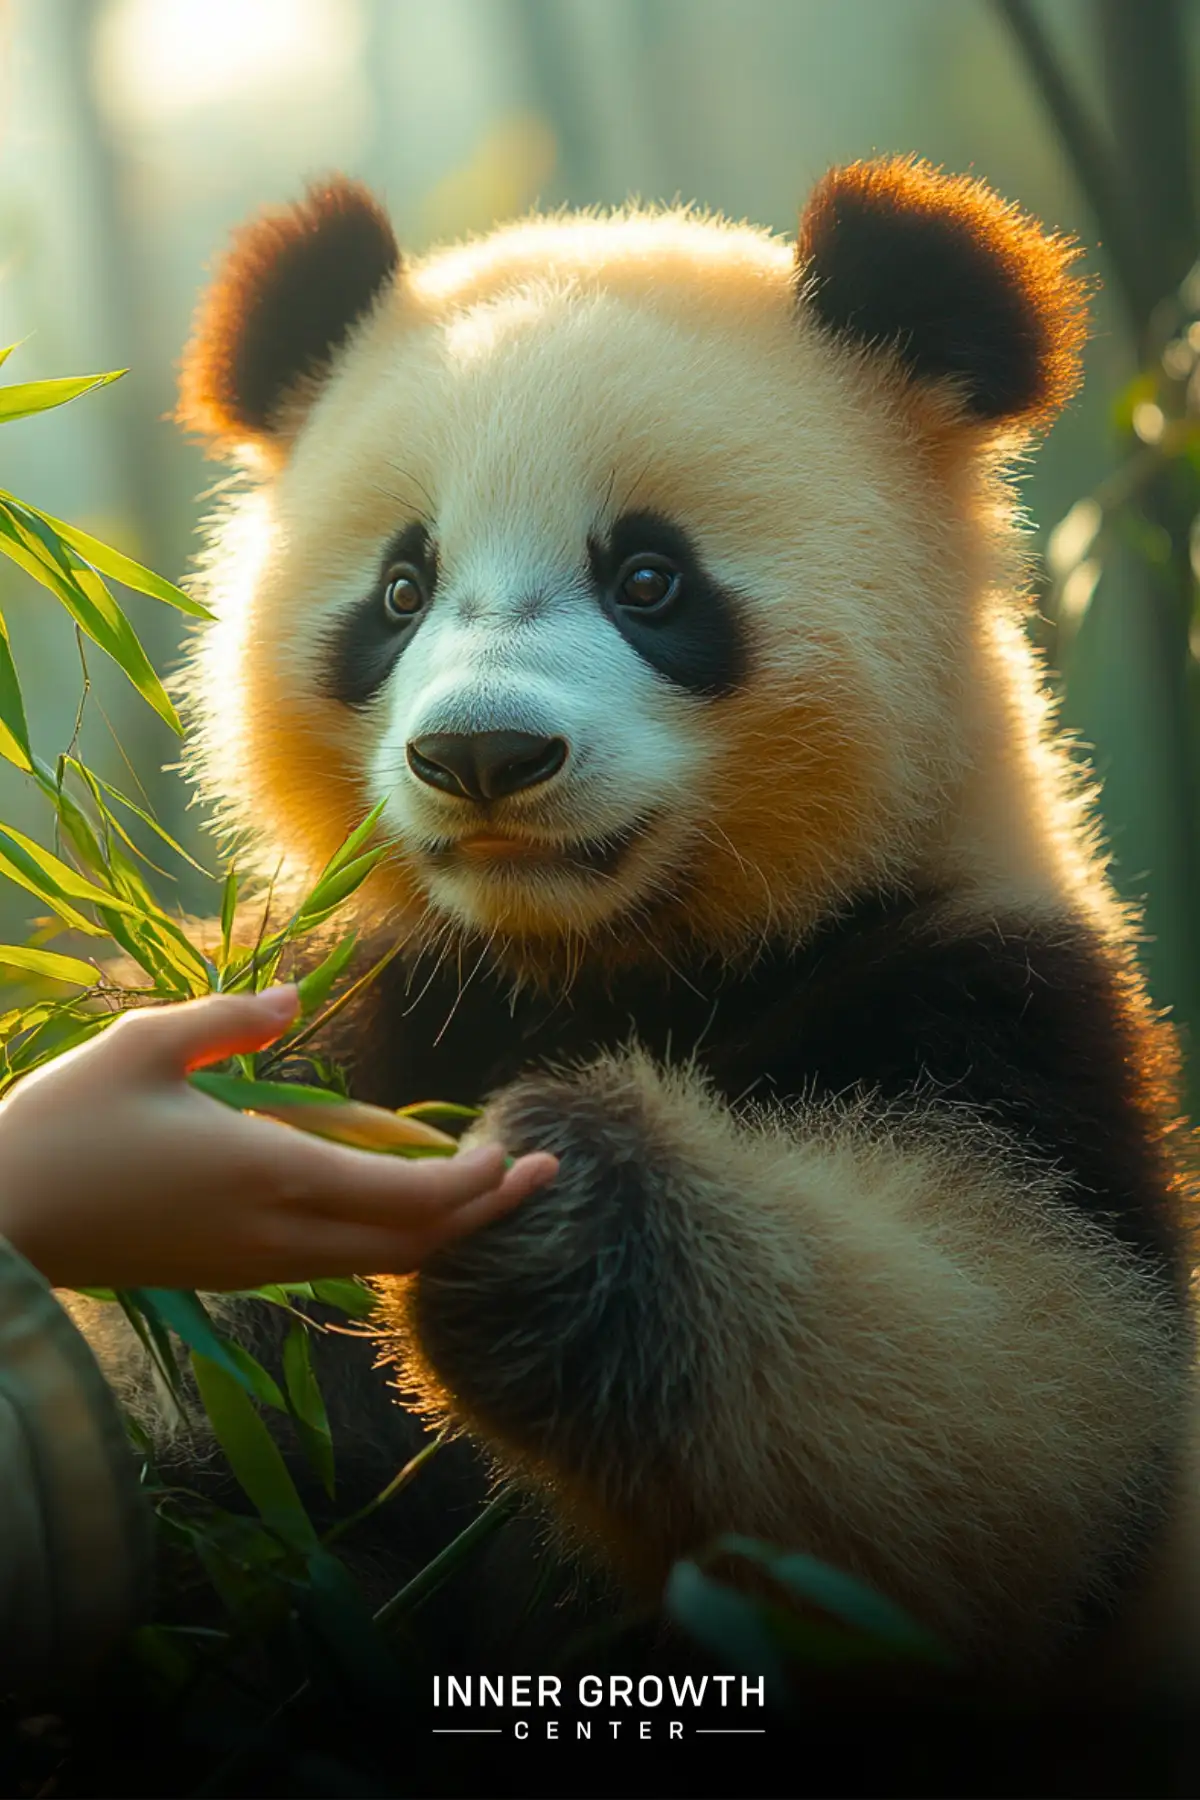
<point x="665" y="580"/>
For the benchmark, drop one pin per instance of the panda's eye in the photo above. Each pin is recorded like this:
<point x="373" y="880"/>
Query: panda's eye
<point x="647" y="586"/>
<point x="404" y="591"/>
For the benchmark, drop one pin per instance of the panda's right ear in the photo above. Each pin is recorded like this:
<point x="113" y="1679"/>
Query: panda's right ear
<point x="289" y="291"/>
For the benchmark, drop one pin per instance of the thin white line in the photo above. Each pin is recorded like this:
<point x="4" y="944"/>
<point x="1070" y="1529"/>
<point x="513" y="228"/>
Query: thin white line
<point x="466" y="1730"/>
<point x="731" y="1731"/>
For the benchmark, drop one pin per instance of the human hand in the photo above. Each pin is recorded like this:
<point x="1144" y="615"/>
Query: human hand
<point x="116" y="1172"/>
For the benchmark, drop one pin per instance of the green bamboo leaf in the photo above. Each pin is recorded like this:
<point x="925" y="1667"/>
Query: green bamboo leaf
<point x="247" y="1096"/>
<point x="730" y="1625"/>
<point x="22" y="398"/>
<point x="49" y="964"/>
<point x="14" y="732"/>
<point x="27" y="1018"/>
<point x="229" y="898"/>
<point x="314" y="988"/>
<point x="332" y="890"/>
<point x="144" y="954"/>
<point x="447" y="1562"/>
<point x="53" y="881"/>
<point x="334" y="1609"/>
<point x="839" y="1594"/>
<point x="254" y="1378"/>
<point x="113" y="826"/>
<point x="156" y="1342"/>
<point x="166" y="947"/>
<point x="347" y="1294"/>
<point x="242" y="1559"/>
<point x="31" y="1055"/>
<point x="307" y="1405"/>
<point x="440" y="1113"/>
<point x="253" y="1454"/>
<point x="97" y="782"/>
<point x="353" y="844"/>
<point x="76" y="825"/>
<point x="110" y="562"/>
<point x="187" y="1317"/>
<point x="195" y="974"/>
<point x="32" y="545"/>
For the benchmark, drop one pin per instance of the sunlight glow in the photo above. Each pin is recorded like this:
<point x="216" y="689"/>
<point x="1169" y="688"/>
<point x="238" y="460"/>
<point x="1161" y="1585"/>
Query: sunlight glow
<point x="158" y="57"/>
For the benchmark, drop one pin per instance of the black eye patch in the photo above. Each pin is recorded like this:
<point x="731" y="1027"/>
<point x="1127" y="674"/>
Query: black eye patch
<point x="694" y="637"/>
<point x="365" y="644"/>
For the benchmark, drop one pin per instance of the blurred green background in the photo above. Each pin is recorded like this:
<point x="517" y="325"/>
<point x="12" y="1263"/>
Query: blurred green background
<point x="135" y="133"/>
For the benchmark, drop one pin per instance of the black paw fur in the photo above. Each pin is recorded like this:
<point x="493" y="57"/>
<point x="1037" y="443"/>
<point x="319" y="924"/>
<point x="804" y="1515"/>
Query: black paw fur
<point x="556" y="1327"/>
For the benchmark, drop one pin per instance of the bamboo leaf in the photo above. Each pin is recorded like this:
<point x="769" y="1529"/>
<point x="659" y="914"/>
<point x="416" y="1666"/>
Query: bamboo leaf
<point x="144" y="954"/>
<point x="353" y="844"/>
<point x="334" y="1609"/>
<point x="326" y="1114"/>
<point x="253" y="1454"/>
<point x="21" y="398"/>
<point x="53" y="881"/>
<point x="440" y="1112"/>
<point x="49" y="964"/>
<point x="112" y="563"/>
<point x="730" y="1625"/>
<point x="347" y="1294"/>
<point x="307" y="1405"/>
<point x="841" y="1595"/>
<point x="157" y="1344"/>
<point x="14" y="732"/>
<point x="32" y="545"/>
<point x="314" y="988"/>
<point x="254" y="1378"/>
<point x="332" y="890"/>
<point x="187" y="1317"/>
<point x="229" y="897"/>
<point x="138" y="812"/>
<point x="77" y="827"/>
<point x="260" y="1096"/>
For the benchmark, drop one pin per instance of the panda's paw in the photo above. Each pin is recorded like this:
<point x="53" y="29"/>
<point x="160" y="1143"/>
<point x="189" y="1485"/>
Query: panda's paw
<point x="598" y="1122"/>
<point x="553" y="1327"/>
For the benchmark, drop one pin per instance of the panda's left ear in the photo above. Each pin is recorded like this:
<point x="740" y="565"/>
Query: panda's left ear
<point x="963" y="290"/>
<point x="292" y="286"/>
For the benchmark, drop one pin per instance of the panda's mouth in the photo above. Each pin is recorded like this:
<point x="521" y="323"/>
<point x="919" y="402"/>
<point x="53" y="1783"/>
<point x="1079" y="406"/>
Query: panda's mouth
<point x="504" y="851"/>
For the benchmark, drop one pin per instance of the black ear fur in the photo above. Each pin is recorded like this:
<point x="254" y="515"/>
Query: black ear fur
<point x="958" y="284"/>
<point x="291" y="287"/>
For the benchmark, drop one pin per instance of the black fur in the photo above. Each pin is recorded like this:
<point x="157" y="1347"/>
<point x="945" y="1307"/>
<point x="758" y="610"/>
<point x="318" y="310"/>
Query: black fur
<point x="698" y="642"/>
<point x="292" y="288"/>
<point x="1028" y="1026"/>
<point x="601" y="1269"/>
<point x="365" y="644"/>
<point x="958" y="285"/>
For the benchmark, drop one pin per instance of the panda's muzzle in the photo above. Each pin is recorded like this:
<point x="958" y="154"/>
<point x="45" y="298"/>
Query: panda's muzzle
<point x="485" y="765"/>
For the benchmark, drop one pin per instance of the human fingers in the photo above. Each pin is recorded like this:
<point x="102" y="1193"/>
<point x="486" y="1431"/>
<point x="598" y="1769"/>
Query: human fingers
<point x="175" y="1039"/>
<point x="527" y="1174"/>
<point x="311" y="1246"/>
<point x="319" y="1175"/>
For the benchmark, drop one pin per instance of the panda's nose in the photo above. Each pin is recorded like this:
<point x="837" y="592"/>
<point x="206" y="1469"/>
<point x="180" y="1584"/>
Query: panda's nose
<point x="485" y="765"/>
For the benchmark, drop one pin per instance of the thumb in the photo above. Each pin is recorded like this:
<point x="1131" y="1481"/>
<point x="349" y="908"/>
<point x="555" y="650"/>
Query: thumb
<point x="179" y="1038"/>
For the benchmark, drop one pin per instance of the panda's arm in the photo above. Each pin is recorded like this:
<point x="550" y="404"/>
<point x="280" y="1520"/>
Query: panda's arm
<point x="891" y="1331"/>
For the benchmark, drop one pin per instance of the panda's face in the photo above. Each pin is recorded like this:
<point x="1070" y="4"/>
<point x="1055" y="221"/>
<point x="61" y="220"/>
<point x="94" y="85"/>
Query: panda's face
<point x="613" y="618"/>
<point x="644" y="601"/>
